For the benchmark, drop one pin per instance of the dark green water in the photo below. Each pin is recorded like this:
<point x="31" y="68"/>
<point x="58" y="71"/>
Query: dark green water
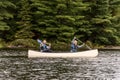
<point x="14" y="65"/>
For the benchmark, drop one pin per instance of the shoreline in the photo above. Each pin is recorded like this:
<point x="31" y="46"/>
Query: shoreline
<point x="112" y="47"/>
<point x="23" y="48"/>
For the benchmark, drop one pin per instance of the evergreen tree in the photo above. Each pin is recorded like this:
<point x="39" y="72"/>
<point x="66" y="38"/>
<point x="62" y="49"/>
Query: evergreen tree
<point x="58" y="19"/>
<point x="43" y="18"/>
<point x="23" y="18"/>
<point x="82" y="23"/>
<point x="73" y="17"/>
<point x="115" y="12"/>
<point x="97" y="21"/>
<point x="5" y="7"/>
<point x="100" y="20"/>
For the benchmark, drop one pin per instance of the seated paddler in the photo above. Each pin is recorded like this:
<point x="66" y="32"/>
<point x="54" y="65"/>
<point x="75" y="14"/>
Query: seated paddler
<point x="44" y="46"/>
<point x="74" y="45"/>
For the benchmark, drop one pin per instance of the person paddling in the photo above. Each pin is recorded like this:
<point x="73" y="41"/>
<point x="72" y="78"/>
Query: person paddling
<point x="74" y="45"/>
<point x="44" y="46"/>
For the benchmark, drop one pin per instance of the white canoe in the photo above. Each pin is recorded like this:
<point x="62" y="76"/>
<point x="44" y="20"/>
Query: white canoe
<point x="88" y="53"/>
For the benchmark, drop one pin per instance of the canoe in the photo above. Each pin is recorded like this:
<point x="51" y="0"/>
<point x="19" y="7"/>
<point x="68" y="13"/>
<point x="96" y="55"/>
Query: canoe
<point x="88" y="53"/>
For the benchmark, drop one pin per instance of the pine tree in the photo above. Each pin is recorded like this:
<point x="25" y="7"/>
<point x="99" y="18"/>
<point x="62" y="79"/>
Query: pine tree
<point x="115" y="12"/>
<point x="82" y="24"/>
<point x="43" y="18"/>
<point x="58" y="19"/>
<point x="5" y="6"/>
<point x="101" y="23"/>
<point x="23" y="20"/>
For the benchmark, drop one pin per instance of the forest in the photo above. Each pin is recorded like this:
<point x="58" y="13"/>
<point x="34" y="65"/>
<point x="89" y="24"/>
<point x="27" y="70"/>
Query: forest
<point x="94" y="22"/>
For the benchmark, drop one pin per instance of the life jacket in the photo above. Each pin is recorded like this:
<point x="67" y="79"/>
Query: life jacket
<point x="73" y="46"/>
<point x="44" y="47"/>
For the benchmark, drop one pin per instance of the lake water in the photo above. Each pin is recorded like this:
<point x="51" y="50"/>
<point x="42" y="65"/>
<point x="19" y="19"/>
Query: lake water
<point x="14" y="65"/>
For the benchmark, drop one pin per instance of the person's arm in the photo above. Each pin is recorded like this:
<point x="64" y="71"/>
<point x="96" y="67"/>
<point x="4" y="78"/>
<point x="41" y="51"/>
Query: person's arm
<point x="73" y="39"/>
<point x="79" y="46"/>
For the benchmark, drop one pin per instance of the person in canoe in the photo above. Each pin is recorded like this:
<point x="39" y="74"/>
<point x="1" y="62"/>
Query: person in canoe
<point x="74" y="45"/>
<point x="44" y="46"/>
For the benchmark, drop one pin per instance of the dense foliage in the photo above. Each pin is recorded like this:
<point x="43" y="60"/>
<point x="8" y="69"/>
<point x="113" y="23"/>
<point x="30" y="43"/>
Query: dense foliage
<point x="94" y="21"/>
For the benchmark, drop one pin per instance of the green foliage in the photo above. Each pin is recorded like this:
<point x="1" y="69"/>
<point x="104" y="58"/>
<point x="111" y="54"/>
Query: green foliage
<point x="115" y="11"/>
<point x="94" y="21"/>
<point x="23" y="20"/>
<point x="3" y="26"/>
<point x="2" y="43"/>
<point x="102" y="26"/>
<point x="60" y="46"/>
<point x="5" y="13"/>
<point x="23" y="43"/>
<point x="94" y="45"/>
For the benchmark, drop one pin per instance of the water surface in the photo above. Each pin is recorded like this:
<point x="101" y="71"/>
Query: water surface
<point x="14" y="65"/>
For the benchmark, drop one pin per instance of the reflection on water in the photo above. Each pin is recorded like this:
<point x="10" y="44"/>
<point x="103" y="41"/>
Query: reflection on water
<point x="104" y="67"/>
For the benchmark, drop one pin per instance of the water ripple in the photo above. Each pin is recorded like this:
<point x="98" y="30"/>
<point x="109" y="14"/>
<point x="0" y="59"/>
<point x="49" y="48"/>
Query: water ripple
<point x="104" y="67"/>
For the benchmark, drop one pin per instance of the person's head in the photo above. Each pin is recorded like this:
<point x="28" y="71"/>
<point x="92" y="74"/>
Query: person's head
<point x="75" y="42"/>
<point x="44" y="41"/>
